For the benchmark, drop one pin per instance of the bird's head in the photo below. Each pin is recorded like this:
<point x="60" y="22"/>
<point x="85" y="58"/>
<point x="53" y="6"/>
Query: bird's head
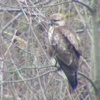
<point x="57" y="20"/>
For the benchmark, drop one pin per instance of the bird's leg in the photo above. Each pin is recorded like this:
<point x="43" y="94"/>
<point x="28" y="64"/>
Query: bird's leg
<point x="58" y="67"/>
<point x="55" y="64"/>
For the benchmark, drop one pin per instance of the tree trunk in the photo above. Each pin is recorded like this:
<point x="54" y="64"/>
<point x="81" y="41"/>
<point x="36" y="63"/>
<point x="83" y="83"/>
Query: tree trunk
<point x="96" y="45"/>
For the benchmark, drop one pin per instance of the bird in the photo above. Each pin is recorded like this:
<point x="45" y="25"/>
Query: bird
<point x="65" y="47"/>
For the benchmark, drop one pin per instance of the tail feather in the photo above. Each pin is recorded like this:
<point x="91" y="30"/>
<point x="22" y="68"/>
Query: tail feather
<point x="70" y="72"/>
<point x="72" y="78"/>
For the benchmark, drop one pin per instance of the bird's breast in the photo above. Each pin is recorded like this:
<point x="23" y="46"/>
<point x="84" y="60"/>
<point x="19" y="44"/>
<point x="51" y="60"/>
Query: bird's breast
<point x="50" y="33"/>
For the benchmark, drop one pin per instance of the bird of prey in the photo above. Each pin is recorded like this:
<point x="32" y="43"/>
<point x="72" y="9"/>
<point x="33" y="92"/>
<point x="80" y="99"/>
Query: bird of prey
<point x="64" y="46"/>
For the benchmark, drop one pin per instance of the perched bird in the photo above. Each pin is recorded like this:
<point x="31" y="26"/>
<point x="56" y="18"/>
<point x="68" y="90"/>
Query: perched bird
<point x="64" y="46"/>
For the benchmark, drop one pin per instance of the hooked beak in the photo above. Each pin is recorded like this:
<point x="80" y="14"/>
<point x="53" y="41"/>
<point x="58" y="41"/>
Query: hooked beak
<point x="51" y="23"/>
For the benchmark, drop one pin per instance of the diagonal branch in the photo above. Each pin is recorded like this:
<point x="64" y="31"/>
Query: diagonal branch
<point x="84" y="4"/>
<point x="90" y="80"/>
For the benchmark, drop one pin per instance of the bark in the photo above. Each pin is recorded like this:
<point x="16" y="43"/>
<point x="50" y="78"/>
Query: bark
<point x="96" y="45"/>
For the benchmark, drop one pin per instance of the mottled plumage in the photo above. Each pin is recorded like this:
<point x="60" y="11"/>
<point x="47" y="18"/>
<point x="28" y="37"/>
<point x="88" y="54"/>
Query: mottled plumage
<point x="65" y="47"/>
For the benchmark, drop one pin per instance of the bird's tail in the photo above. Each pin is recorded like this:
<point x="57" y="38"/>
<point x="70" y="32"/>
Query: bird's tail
<point x="72" y="78"/>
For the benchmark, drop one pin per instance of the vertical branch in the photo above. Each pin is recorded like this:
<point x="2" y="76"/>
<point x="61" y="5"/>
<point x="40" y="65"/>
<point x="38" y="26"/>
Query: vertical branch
<point x="1" y="78"/>
<point x="96" y="45"/>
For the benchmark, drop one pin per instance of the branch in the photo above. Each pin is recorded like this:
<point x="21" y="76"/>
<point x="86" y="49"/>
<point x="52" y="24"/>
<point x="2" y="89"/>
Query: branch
<point x="90" y="80"/>
<point x="80" y="73"/>
<point x="43" y="3"/>
<point x="10" y="22"/>
<point x="84" y="4"/>
<point x="37" y="6"/>
<point x="16" y="81"/>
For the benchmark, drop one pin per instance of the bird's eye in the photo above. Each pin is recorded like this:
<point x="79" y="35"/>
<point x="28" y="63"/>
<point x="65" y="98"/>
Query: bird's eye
<point x="55" y="20"/>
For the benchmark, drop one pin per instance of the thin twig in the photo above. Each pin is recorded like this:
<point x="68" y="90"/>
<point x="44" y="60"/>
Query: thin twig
<point x="90" y="80"/>
<point x="17" y="81"/>
<point x="42" y="90"/>
<point x="85" y="61"/>
<point x="42" y="3"/>
<point x="10" y="22"/>
<point x="38" y="6"/>
<point x="1" y="78"/>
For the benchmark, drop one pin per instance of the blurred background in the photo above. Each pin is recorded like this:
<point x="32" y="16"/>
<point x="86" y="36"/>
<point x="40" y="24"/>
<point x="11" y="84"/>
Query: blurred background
<point x="26" y="71"/>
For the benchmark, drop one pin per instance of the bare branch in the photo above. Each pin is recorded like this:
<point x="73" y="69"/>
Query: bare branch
<point x="84" y="4"/>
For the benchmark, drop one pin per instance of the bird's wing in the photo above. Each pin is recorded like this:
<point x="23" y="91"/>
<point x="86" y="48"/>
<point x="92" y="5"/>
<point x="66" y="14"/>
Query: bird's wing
<point x="73" y="39"/>
<point x="64" y="50"/>
<point x="62" y="42"/>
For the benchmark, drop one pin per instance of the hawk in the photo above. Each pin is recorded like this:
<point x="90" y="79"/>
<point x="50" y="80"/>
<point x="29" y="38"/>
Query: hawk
<point x="64" y="46"/>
